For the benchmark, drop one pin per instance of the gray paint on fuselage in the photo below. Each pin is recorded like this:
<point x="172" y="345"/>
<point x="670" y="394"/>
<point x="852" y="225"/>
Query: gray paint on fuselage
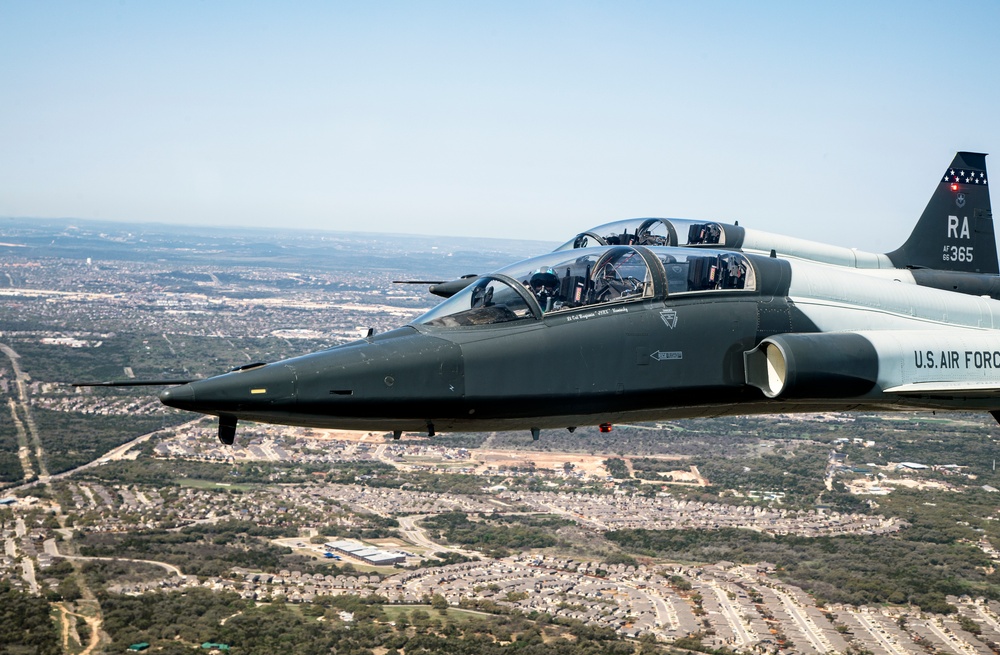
<point x="838" y="299"/>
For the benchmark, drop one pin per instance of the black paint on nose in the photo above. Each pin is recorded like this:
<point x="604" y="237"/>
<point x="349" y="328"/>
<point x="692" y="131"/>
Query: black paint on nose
<point x="180" y="397"/>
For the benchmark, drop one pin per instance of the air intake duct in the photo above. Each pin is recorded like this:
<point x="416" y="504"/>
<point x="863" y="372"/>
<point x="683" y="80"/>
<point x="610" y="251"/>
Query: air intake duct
<point x="823" y="365"/>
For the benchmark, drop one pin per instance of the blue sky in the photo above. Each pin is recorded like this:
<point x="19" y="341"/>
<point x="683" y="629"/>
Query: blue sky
<point x="830" y="121"/>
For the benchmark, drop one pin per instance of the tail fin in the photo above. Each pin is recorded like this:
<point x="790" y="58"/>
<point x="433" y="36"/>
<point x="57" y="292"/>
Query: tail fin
<point x="955" y="232"/>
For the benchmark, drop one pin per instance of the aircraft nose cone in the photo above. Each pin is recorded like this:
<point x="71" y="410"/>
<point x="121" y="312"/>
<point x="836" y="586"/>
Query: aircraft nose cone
<point x="180" y="397"/>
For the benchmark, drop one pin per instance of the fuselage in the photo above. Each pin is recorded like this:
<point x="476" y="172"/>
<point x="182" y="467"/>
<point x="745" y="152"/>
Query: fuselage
<point x="630" y="334"/>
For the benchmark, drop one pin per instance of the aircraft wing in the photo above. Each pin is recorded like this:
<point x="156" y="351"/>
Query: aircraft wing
<point x="947" y="390"/>
<point x="131" y="383"/>
<point x="444" y="288"/>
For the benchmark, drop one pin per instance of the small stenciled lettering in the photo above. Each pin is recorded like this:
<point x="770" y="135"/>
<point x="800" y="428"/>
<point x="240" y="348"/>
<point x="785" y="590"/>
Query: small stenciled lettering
<point x="593" y="314"/>
<point x="957" y="359"/>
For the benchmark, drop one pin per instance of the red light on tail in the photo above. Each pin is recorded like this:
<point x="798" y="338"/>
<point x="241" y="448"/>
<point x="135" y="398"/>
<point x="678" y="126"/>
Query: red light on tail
<point x="954" y="187"/>
<point x="605" y="427"/>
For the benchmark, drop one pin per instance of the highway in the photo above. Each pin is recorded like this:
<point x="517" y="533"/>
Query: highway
<point x="112" y="455"/>
<point x="23" y="452"/>
<point x="22" y="399"/>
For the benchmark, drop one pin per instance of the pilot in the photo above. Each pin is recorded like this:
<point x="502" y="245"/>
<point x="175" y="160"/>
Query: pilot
<point x="544" y="284"/>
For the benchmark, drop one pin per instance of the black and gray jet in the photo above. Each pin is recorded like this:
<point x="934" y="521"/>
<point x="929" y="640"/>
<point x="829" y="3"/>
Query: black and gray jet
<point x="726" y="321"/>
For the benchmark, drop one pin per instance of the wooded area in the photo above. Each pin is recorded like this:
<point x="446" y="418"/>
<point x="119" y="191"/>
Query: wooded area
<point x="496" y="535"/>
<point x="173" y="623"/>
<point x="25" y="626"/>
<point x="855" y="570"/>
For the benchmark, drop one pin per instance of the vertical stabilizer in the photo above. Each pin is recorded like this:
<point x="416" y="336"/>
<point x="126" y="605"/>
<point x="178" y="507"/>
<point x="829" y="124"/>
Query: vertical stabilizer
<point x="955" y="232"/>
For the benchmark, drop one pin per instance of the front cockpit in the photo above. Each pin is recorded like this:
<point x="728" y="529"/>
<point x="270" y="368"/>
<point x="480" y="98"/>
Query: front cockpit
<point x="706" y="270"/>
<point x="567" y="280"/>
<point x="658" y="232"/>
<point x="489" y="300"/>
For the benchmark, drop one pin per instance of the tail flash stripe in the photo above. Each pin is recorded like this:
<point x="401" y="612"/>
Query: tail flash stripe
<point x="964" y="176"/>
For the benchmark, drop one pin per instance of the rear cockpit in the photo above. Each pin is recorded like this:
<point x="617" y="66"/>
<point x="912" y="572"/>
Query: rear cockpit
<point x="567" y="280"/>
<point x="657" y="232"/>
<point x="706" y="270"/>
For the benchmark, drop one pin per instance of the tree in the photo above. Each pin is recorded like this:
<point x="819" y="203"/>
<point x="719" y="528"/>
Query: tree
<point x="69" y="589"/>
<point x="440" y="603"/>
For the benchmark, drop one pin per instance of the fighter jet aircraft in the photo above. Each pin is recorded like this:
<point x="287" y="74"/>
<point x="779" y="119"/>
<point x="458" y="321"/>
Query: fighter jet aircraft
<point x="630" y="332"/>
<point x="951" y="247"/>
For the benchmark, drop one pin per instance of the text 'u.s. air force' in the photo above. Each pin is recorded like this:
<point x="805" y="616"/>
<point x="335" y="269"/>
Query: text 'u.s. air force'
<point x="956" y="359"/>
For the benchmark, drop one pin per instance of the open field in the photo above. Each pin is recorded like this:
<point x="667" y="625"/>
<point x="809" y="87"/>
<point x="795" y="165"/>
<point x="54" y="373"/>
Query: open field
<point x="209" y="484"/>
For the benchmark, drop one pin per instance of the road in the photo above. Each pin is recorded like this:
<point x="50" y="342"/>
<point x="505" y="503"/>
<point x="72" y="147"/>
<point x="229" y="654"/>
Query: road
<point x="987" y="617"/>
<point x="733" y="618"/>
<point x="23" y="452"/>
<point x="875" y="630"/>
<point x="949" y="637"/>
<point x="578" y="518"/>
<point x="170" y="568"/>
<point x="22" y="399"/>
<point x="663" y="613"/>
<point x="52" y="548"/>
<point x="27" y="564"/>
<point x="94" y="622"/>
<point x="113" y="454"/>
<point x="809" y="629"/>
<point x="417" y="536"/>
<point x="380" y="455"/>
<point x="28" y="573"/>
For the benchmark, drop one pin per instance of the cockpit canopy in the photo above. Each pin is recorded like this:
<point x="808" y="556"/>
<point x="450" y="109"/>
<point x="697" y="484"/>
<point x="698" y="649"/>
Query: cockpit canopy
<point x="566" y="280"/>
<point x="651" y="232"/>
<point x="691" y="271"/>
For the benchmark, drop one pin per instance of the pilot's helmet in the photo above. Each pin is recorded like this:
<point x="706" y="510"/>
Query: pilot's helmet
<point x="544" y="282"/>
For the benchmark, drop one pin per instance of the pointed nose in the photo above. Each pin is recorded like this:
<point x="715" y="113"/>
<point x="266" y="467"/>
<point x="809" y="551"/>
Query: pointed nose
<point x="180" y="397"/>
<point x="266" y="388"/>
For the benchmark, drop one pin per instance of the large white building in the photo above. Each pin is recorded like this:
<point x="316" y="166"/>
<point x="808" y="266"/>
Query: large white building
<point x="366" y="554"/>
